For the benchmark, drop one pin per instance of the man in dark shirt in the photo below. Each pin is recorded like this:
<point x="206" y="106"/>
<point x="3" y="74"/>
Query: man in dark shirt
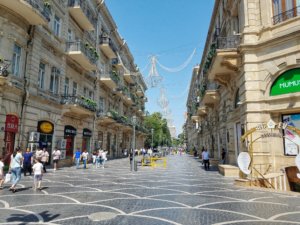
<point x="27" y="162"/>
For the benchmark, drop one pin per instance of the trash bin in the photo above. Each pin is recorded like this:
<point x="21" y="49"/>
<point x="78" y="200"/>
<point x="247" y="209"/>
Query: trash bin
<point x="135" y="165"/>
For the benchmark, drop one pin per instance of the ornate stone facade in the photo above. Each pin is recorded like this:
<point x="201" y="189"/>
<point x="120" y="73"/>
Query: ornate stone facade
<point x="251" y="45"/>
<point x="72" y="80"/>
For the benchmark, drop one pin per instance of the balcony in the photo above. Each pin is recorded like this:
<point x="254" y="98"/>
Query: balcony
<point x="211" y="95"/>
<point x="78" y="106"/>
<point x="35" y="12"/>
<point x="110" y="79"/>
<point x="104" y="118"/>
<point x="82" y="14"/>
<point x="202" y="110"/>
<point x="129" y="77"/>
<point x="222" y="60"/>
<point x="195" y="118"/>
<point x="117" y="63"/>
<point x="140" y="91"/>
<point x="286" y="15"/>
<point x="127" y="97"/>
<point x="106" y="47"/>
<point x="83" y="54"/>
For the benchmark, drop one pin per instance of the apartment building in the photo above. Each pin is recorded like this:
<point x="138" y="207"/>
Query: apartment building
<point x="72" y="81"/>
<point x="248" y="84"/>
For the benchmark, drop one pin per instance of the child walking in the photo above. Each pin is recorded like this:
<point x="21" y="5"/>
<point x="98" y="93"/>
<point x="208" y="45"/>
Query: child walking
<point x="38" y="174"/>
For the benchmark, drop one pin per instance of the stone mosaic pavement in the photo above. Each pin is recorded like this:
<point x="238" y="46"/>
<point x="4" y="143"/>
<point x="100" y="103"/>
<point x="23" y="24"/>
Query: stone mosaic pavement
<point x="183" y="193"/>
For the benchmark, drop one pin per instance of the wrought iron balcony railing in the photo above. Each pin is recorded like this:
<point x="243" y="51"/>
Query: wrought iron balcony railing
<point x="42" y="7"/>
<point x="86" y="49"/>
<point x="286" y="15"/>
<point x="85" y="8"/>
<point x="228" y="42"/>
<point x="104" y="39"/>
<point x="82" y="101"/>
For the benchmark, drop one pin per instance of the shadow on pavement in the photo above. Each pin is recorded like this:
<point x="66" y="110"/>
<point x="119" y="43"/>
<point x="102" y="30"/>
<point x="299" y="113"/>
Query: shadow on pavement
<point x="29" y="218"/>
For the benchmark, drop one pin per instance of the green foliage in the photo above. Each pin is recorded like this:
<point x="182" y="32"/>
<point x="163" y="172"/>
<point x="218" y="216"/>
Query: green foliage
<point x="161" y="132"/>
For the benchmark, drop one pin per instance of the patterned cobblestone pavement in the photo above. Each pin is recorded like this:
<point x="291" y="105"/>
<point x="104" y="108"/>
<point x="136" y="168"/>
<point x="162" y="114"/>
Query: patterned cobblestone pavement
<point x="183" y="193"/>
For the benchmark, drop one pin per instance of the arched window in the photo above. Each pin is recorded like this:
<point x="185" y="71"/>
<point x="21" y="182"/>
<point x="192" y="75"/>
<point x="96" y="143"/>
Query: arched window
<point x="237" y="100"/>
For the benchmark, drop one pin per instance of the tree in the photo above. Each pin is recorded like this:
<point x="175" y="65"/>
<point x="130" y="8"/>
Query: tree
<point x="161" y="132"/>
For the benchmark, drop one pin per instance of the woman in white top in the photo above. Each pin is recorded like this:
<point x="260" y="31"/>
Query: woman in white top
<point x="15" y="168"/>
<point x="56" y="156"/>
<point x="104" y="158"/>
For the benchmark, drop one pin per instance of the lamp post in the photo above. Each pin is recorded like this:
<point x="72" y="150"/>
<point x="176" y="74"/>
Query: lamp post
<point x="133" y="142"/>
<point x="152" y="130"/>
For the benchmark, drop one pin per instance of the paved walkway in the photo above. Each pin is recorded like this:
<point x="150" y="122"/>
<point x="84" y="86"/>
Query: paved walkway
<point x="181" y="194"/>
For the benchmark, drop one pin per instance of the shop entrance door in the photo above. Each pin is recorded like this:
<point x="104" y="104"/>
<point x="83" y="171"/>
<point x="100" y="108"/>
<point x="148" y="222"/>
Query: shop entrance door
<point x="69" y="146"/>
<point x="46" y="142"/>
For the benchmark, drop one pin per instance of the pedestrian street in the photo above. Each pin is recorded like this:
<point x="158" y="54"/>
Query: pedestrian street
<point x="182" y="193"/>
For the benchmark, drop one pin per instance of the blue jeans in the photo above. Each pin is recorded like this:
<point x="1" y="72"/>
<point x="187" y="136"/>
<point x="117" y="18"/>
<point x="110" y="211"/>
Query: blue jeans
<point x="16" y="175"/>
<point x="84" y="163"/>
<point x="77" y="161"/>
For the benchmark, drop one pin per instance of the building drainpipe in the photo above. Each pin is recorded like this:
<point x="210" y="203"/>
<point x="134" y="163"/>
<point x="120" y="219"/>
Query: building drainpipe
<point x="25" y="96"/>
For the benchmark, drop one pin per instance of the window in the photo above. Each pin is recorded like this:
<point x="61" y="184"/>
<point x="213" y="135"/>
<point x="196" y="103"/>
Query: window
<point x="292" y="139"/>
<point x="66" y="87"/>
<point x="74" y="92"/>
<point x="16" y="60"/>
<point x="237" y="101"/>
<point x="54" y="80"/>
<point x="70" y="35"/>
<point x="101" y="104"/>
<point x="56" y="25"/>
<point x="41" y="75"/>
<point x="285" y="9"/>
<point x="85" y="91"/>
<point x="91" y="95"/>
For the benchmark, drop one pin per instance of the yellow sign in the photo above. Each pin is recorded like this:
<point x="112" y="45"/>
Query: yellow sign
<point x="46" y="127"/>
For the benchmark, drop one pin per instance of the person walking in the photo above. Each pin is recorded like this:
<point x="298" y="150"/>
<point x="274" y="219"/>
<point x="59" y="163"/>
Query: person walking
<point x="94" y="157"/>
<point x="27" y="163"/>
<point x="84" y="156"/>
<point x="15" y="168"/>
<point x="38" y="154"/>
<point x="45" y="159"/>
<point x="104" y="158"/>
<point x="223" y="155"/>
<point x="1" y="172"/>
<point x="77" y="158"/>
<point x="205" y="158"/>
<point x="38" y="174"/>
<point x="98" y="158"/>
<point x="56" y="156"/>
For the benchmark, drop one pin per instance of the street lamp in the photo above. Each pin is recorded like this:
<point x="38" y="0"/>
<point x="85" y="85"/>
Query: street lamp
<point x="133" y="142"/>
<point x="152" y="130"/>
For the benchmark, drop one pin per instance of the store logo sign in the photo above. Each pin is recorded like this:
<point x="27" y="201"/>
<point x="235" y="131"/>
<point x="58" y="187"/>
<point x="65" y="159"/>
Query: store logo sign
<point x="288" y="82"/>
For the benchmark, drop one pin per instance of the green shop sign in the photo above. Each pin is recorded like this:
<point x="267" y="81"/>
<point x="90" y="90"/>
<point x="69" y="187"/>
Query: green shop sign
<point x="288" y="82"/>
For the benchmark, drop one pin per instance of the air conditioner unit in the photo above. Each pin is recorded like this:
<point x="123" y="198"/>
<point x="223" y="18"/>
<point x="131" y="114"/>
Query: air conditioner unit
<point x="34" y="137"/>
<point x="62" y="144"/>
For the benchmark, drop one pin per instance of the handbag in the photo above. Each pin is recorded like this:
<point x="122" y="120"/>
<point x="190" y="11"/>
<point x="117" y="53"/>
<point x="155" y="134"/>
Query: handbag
<point x="7" y="178"/>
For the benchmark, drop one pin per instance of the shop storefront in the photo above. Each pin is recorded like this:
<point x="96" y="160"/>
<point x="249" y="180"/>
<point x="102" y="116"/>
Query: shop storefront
<point x="46" y="129"/>
<point x="86" y="139"/>
<point x="289" y="83"/>
<point x="11" y="128"/>
<point x="69" y="134"/>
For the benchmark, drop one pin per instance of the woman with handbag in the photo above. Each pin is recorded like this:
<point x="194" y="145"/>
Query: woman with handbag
<point x="15" y="168"/>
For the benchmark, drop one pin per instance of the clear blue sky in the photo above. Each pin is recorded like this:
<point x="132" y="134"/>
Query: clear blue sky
<point x="170" y="29"/>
